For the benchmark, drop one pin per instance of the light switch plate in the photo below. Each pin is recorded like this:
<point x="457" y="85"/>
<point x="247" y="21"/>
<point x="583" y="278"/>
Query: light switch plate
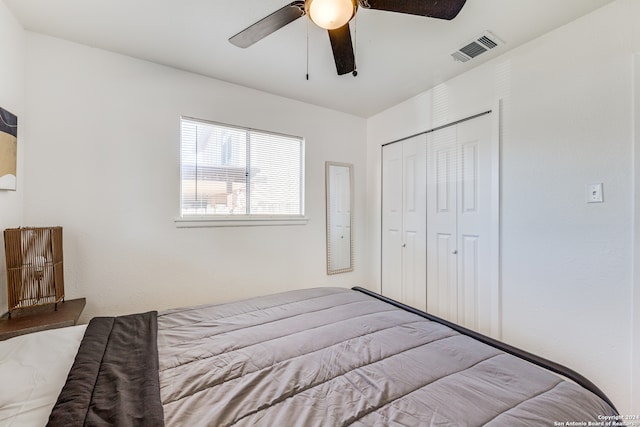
<point x="594" y="193"/>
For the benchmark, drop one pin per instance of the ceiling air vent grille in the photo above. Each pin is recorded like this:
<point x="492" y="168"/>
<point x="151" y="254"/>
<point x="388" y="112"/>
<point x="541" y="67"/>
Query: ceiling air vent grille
<point x="478" y="46"/>
<point x="459" y="56"/>
<point x="487" y="42"/>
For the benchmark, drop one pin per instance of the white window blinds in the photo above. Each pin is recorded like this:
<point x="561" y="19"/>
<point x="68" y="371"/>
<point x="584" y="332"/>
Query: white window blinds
<point x="227" y="170"/>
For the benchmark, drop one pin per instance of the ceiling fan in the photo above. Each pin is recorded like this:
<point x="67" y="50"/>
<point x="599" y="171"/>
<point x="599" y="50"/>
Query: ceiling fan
<point x="334" y="16"/>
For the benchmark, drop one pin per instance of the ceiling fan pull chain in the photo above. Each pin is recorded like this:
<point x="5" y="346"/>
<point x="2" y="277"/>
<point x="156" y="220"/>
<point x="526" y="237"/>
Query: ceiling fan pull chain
<point x="307" y="49"/>
<point x="355" y="46"/>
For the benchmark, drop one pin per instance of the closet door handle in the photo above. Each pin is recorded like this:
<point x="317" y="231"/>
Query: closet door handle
<point x="455" y="252"/>
<point x="404" y="245"/>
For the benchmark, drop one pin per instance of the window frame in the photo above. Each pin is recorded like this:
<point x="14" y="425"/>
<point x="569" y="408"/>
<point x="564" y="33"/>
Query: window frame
<point x="235" y="220"/>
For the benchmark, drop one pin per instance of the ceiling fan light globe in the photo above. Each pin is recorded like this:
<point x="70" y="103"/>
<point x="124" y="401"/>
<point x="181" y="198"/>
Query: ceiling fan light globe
<point x="331" y="14"/>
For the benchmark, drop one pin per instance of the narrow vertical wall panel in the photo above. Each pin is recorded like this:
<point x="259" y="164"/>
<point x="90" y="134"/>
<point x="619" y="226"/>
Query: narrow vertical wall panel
<point x="635" y="327"/>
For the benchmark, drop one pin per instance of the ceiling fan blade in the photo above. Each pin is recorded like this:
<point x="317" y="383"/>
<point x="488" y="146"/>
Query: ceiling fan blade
<point x="442" y="9"/>
<point x="342" y="49"/>
<point x="269" y="24"/>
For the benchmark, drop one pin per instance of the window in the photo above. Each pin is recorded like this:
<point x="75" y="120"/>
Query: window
<point x="234" y="173"/>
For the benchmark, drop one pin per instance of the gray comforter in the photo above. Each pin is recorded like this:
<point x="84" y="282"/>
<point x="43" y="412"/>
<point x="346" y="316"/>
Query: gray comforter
<point x="334" y="357"/>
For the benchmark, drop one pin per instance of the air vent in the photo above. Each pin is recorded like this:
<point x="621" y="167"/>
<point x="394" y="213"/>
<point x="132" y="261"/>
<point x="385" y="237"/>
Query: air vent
<point x="476" y="47"/>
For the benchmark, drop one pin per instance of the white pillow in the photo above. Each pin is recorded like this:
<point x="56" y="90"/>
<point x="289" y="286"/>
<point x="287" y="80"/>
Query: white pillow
<point x="33" y="370"/>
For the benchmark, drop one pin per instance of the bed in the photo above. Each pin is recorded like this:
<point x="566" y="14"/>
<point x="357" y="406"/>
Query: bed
<point x="312" y="357"/>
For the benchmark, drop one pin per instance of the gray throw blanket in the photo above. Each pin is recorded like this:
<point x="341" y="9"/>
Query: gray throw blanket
<point x="114" y="378"/>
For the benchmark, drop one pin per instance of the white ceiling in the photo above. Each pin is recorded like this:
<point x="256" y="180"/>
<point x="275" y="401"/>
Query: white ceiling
<point x="398" y="55"/>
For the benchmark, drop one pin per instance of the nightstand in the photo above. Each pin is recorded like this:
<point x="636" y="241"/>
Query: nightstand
<point x="41" y="318"/>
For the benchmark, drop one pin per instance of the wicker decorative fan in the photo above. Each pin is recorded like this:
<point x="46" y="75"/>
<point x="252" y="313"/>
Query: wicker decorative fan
<point x="34" y="266"/>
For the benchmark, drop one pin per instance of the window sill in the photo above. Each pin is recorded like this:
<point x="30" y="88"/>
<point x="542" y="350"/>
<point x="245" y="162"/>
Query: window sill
<point x="239" y="221"/>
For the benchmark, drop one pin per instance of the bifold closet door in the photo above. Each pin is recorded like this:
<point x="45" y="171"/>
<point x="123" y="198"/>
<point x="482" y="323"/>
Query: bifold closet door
<point x="459" y="223"/>
<point x="392" y="178"/>
<point x="404" y="221"/>
<point x="442" y="223"/>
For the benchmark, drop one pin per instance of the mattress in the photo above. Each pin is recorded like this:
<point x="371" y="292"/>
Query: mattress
<point x="313" y="357"/>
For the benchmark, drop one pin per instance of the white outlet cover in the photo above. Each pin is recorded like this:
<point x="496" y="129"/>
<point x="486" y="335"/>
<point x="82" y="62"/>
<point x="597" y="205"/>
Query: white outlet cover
<point x="594" y="193"/>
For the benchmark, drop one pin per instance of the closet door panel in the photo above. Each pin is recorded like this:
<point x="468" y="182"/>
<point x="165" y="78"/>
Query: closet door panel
<point x="441" y="233"/>
<point x="468" y="255"/>
<point x="392" y="181"/>
<point x="414" y="248"/>
<point x="474" y="223"/>
<point x="442" y="295"/>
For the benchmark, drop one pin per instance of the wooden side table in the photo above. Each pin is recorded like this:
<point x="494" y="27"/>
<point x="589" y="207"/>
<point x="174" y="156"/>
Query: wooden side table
<point x="41" y="318"/>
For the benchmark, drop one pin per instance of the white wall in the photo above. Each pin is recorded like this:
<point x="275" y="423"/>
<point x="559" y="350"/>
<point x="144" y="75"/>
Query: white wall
<point x="11" y="99"/>
<point x="566" y="265"/>
<point x="104" y="164"/>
